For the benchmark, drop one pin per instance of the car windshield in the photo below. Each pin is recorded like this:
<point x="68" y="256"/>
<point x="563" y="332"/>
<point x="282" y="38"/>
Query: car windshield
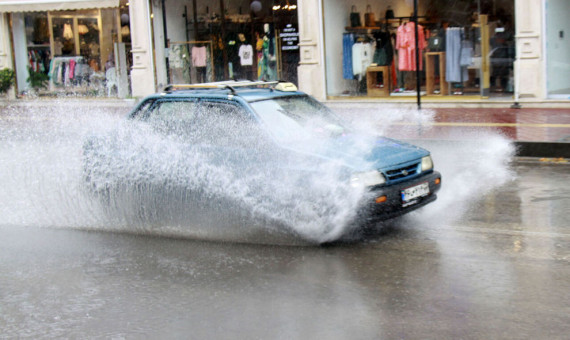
<point x="298" y="118"/>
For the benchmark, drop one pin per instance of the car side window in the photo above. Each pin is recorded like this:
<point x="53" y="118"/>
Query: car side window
<point x="142" y="111"/>
<point x="225" y="124"/>
<point x="173" y="116"/>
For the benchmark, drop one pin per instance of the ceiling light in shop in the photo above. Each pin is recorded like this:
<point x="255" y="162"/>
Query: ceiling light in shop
<point x="285" y="7"/>
<point x="255" y="6"/>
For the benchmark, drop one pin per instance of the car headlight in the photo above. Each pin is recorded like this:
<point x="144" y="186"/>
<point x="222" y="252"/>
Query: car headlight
<point x="367" y="179"/>
<point x="427" y="163"/>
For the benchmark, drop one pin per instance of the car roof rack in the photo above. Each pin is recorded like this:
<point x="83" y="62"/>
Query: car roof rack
<point x="231" y="85"/>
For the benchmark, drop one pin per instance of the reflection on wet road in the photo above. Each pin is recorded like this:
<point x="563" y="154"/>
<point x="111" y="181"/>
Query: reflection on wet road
<point x="500" y="271"/>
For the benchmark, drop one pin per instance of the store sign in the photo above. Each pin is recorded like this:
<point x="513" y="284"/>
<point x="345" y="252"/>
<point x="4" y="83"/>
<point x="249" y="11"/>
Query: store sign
<point x="289" y="38"/>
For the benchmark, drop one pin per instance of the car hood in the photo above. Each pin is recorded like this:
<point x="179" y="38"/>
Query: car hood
<point x="362" y="153"/>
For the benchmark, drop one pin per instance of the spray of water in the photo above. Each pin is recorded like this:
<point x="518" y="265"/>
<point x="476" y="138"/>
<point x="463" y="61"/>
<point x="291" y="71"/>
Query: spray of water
<point x="153" y="181"/>
<point x="472" y="161"/>
<point x="471" y="168"/>
<point x="40" y="163"/>
<point x="144" y="181"/>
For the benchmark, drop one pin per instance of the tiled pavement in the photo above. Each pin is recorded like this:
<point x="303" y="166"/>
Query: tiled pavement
<point x="541" y="132"/>
<point x="527" y="125"/>
<point x="537" y="132"/>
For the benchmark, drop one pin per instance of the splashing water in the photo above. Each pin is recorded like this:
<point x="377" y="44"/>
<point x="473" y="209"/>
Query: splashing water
<point x="163" y="178"/>
<point x="470" y="168"/>
<point x="193" y="192"/>
<point x="40" y="157"/>
<point x="472" y="162"/>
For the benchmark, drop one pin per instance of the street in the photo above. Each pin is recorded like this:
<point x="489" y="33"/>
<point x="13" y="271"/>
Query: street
<point x="489" y="260"/>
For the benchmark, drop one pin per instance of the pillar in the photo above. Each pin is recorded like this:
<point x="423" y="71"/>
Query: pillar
<point x="142" y="72"/>
<point x="311" y="70"/>
<point x="5" y="49"/>
<point x="530" y="79"/>
<point x="159" y="43"/>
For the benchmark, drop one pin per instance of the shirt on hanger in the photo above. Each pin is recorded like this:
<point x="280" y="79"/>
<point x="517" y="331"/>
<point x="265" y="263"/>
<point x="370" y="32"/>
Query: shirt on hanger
<point x="362" y="54"/>
<point x="246" y="55"/>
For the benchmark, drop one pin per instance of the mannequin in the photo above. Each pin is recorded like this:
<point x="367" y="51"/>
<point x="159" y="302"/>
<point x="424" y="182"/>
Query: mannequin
<point x="268" y="59"/>
<point x="232" y="53"/>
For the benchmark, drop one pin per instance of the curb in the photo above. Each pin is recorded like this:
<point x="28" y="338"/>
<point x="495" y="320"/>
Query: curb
<point x="542" y="149"/>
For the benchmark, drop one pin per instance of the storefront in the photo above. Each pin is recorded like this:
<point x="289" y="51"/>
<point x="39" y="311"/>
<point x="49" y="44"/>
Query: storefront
<point x="499" y="49"/>
<point x="465" y="48"/>
<point x="252" y="40"/>
<point x="72" y="47"/>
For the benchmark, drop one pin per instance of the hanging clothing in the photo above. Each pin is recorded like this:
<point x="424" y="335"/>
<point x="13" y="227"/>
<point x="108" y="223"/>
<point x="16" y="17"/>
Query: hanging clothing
<point x="347" y="42"/>
<point x="246" y="55"/>
<point x="199" y="56"/>
<point x="453" y="54"/>
<point x="384" y="53"/>
<point x="71" y="73"/>
<point x="362" y="54"/>
<point x="63" y="69"/>
<point x="466" y="55"/>
<point x="406" y="46"/>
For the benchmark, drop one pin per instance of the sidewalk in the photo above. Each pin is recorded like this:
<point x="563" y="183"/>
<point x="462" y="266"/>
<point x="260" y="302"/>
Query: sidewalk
<point x="537" y="132"/>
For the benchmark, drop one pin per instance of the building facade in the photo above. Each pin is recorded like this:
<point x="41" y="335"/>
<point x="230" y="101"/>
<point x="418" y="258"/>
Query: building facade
<point x="479" y="49"/>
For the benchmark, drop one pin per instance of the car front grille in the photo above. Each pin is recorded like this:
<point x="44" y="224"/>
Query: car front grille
<point x="402" y="172"/>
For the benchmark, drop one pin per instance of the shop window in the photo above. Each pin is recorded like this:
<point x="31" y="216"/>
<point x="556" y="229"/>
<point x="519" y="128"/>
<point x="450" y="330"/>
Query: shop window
<point x="463" y="48"/>
<point x="255" y="40"/>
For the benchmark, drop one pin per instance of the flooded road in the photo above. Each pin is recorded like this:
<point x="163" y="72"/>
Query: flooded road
<point x="501" y="271"/>
<point x="489" y="259"/>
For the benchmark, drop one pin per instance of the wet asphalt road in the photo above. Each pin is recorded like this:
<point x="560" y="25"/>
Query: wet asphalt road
<point x="501" y="271"/>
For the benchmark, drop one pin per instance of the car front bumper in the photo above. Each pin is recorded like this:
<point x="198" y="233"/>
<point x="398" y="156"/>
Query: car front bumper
<point x="387" y="202"/>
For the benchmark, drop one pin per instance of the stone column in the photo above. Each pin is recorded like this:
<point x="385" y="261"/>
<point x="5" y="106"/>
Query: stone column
<point x="529" y="75"/>
<point x="160" y="57"/>
<point x="142" y="72"/>
<point x="5" y="49"/>
<point x="310" y="70"/>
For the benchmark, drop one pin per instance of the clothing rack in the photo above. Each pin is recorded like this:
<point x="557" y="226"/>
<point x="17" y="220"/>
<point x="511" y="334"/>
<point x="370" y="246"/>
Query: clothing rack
<point x="414" y="18"/>
<point x="58" y="71"/>
<point x="400" y="19"/>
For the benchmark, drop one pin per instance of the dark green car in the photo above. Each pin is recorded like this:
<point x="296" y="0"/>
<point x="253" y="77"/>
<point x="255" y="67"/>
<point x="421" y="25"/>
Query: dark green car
<point x="235" y="152"/>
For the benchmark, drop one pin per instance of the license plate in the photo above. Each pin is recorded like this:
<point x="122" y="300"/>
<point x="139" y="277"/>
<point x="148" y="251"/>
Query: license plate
<point x="414" y="192"/>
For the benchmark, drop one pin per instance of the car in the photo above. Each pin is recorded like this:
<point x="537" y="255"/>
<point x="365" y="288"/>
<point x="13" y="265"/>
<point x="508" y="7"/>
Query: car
<point x="244" y="149"/>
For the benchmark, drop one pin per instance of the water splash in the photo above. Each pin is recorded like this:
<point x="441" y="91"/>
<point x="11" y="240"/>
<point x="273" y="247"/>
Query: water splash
<point x="161" y="179"/>
<point x="472" y="161"/>
<point x="472" y="166"/>
<point x="274" y="201"/>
